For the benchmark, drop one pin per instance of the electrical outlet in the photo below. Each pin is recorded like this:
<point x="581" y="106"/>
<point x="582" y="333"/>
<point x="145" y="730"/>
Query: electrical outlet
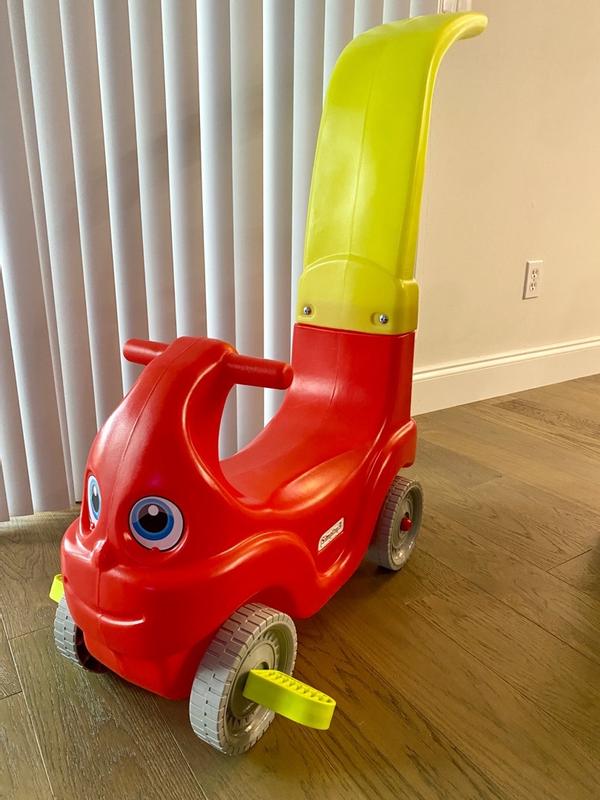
<point x="533" y="277"/>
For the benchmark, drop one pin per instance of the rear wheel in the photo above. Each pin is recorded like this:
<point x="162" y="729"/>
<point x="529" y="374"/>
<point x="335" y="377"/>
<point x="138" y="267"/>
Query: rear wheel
<point x="255" y="637"/>
<point x="69" y="640"/>
<point x="398" y="525"/>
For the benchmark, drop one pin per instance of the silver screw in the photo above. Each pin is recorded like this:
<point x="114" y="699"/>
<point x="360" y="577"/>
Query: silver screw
<point x="307" y="311"/>
<point x="384" y="319"/>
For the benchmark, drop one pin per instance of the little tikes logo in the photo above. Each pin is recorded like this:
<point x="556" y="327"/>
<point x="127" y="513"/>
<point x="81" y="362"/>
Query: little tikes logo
<point x="331" y="534"/>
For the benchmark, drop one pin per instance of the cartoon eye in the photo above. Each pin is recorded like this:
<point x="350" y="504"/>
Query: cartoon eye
<point x="156" y="522"/>
<point x="94" y="499"/>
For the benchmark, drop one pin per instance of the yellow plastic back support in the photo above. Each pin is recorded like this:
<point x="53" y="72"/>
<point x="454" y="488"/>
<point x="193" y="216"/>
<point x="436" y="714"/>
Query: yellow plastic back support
<point x="363" y="214"/>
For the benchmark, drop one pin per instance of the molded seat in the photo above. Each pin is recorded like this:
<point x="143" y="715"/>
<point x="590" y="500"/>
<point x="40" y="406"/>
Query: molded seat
<point x="346" y="389"/>
<point x="291" y="464"/>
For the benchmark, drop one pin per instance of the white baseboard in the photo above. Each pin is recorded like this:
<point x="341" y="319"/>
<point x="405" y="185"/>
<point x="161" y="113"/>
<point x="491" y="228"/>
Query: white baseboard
<point x="449" y="385"/>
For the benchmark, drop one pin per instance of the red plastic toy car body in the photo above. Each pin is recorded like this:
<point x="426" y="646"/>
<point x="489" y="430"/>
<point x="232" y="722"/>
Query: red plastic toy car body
<point x="284" y="522"/>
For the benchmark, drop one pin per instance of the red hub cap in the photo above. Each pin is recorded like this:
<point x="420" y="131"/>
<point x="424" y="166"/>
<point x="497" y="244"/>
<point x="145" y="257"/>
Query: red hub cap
<point x="405" y="523"/>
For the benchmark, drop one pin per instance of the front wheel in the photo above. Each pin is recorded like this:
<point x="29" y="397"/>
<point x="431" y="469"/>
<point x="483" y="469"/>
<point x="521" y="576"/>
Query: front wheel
<point x="255" y="637"/>
<point x="398" y="524"/>
<point x="69" y="640"/>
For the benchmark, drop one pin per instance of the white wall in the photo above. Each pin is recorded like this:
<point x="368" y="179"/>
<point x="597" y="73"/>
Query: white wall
<point x="513" y="173"/>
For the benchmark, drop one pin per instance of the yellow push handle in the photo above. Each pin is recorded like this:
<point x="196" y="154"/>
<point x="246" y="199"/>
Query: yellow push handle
<point x="363" y="213"/>
<point x="289" y="697"/>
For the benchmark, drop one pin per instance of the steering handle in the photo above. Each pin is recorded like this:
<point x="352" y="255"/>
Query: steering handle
<point x="265" y="372"/>
<point x="142" y="351"/>
<point x="245" y="370"/>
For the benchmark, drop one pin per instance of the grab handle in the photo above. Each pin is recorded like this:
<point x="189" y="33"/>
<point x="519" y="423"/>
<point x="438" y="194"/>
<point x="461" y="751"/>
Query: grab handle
<point x="265" y="372"/>
<point x="142" y="351"/>
<point x="245" y="370"/>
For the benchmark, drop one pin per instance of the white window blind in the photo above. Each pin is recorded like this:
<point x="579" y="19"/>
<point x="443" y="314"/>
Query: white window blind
<point x="155" y="164"/>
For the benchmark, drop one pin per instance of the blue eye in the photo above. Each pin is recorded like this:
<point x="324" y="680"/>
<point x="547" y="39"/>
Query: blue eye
<point x="94" y="499"/>
<point x="156" y="523"/>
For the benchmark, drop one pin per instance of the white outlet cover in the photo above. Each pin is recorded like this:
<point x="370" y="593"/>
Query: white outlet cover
<point x="533" y="278"/>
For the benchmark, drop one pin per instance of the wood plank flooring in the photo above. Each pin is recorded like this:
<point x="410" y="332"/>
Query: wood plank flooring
<point x="474" y="673"/>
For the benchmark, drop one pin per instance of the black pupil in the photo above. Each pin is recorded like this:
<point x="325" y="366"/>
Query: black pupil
<point x="153" y="523"/>
<point x="95" y="499"/>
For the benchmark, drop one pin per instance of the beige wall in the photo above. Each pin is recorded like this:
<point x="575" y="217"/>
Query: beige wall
<point x="513" y="173"/>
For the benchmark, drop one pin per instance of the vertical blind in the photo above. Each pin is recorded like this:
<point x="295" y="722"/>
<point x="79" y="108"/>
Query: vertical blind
<point x="155" y="164"/>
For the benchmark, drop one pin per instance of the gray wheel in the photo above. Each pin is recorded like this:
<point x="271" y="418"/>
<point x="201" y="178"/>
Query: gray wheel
<point x="69" y="640"/>
<point x="254" y="637"/>
<point x="398" y="525"/>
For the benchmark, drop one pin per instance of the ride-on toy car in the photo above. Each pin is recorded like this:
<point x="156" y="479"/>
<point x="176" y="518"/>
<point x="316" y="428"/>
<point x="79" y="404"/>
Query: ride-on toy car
<point x="184" y="571"/>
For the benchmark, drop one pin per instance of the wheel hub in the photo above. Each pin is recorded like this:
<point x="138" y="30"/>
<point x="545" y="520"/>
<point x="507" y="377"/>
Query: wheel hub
<point x="404" y="537"/>
<point x="264" y="655"/>
<point x="405" y="523"/>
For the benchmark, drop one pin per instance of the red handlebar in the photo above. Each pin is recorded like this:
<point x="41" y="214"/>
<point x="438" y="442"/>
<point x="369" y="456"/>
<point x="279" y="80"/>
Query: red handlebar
<point x="265" y="372"/>
<point x="245" y="370"/>
<point x="141" y="351"/>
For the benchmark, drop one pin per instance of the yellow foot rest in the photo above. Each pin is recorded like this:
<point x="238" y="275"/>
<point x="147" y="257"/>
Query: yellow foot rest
<point x="57" y="589"/>
<point x="289" y="697"/>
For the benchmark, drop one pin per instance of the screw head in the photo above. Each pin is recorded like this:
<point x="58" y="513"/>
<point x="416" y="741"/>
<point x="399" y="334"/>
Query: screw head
<point x="384" y="319"/>
<point x="307" y="311"/>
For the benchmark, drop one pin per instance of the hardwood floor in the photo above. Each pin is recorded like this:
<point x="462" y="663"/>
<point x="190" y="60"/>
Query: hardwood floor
<point x="473" y="673"/>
